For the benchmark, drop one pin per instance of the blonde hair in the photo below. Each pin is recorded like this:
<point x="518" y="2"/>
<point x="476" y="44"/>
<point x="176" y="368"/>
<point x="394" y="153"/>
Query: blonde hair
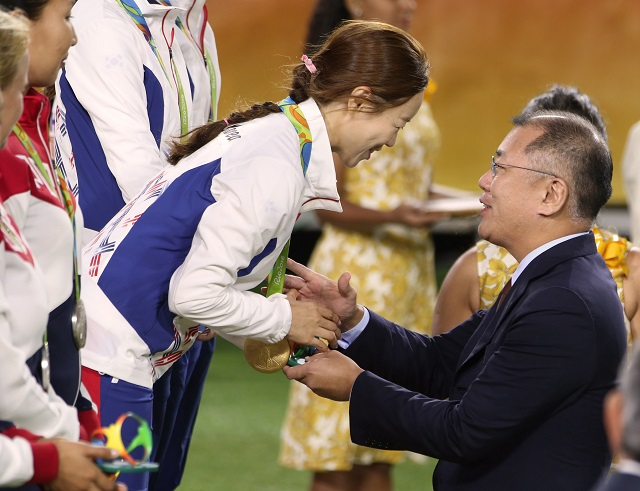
<point x="14" y="40"/>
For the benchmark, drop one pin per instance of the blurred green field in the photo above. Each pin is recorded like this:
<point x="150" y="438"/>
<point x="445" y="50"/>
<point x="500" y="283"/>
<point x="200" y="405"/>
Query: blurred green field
<point x="236" y="439"/>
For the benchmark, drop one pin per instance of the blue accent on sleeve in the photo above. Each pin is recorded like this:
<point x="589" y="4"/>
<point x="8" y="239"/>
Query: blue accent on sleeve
<point x="254" y="262"/>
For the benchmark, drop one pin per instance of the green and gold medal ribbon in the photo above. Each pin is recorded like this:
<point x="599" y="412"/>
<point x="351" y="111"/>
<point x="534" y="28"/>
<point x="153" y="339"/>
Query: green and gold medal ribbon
<point x="132" y="9"/>
<point x="68" y="204"/>
<point x="208" y="62"/>
<point x="294" y="114"/>
<point x="212" y="85"/>
<point x="269" y="358"/>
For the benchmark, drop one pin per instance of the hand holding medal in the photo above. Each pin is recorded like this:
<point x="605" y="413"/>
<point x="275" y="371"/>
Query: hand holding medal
<point x="111" y="437"/>
<point x="270" y="358"/>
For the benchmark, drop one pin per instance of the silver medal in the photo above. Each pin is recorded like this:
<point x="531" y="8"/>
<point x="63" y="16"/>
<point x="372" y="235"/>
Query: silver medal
<point x="45" y="366"/>
<point x="79" y="325"/>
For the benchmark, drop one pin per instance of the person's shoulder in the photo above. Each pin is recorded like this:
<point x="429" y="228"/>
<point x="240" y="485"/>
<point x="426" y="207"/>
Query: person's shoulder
<point x="104" y="23"/>
<point x="633" y="258"/>
<point x="271" y="137"/>
<point x="95" y="11"/>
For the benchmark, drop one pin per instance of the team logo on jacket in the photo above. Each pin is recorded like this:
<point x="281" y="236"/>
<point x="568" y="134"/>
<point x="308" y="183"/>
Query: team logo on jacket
<point x="13" y="240"/>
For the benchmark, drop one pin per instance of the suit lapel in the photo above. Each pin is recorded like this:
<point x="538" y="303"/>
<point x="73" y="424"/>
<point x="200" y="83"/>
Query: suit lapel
<point x="495" y="320"/>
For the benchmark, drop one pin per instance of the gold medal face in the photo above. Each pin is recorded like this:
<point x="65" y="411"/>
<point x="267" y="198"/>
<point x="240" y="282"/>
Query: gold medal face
<point x="79" y="325"/>
<point x="267" y="358"/>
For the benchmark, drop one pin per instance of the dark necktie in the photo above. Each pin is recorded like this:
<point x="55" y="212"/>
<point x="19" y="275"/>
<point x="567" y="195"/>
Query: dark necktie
<point x="503" y="293"/>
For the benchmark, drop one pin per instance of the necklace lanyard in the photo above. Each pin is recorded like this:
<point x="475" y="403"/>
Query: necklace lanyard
<point x="213" y="114"/>
<point x="208" y="62"/>
<point x="132" y="9"/>
<point x="292" y="111"/>
<point x="210" y="68"/>
<point x="59" y="188"/>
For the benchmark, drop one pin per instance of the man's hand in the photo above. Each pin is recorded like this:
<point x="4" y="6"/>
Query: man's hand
<point x="329" y="375"/>
<point x="338" y="297"/>
<point x="77" y="469"/>
<point x="311" y="323"/>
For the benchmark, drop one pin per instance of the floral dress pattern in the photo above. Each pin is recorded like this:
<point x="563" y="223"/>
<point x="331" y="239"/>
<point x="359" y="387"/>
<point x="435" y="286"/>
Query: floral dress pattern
<point x="392" y="269"/>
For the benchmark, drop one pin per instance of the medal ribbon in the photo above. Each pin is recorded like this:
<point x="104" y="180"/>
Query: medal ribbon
<point x="61" y="190"/>
<point x="132" y="9"/>
<point x="208" y="62"/>
<point x="294" y="114"/>
<point x="213" y="85"/>
<point x="210" y="68"/>
<point x="182" y="100"/>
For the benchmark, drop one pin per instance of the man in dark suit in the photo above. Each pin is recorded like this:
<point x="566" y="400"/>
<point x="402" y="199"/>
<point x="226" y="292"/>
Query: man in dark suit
<point x="512" y="397"/>
<point x="622" y="421"/>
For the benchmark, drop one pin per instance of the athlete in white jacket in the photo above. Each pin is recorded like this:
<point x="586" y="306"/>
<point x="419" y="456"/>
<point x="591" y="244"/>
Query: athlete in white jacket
<point x="188" y="248"/>
<point x="119" y="102"/>
<point x="23" y="318"/>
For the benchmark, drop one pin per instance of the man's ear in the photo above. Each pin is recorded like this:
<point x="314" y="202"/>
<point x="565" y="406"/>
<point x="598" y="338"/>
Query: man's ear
<point x="360" y="99"/>
<point x="613" y="422"/>
<point x="556" y="195"/>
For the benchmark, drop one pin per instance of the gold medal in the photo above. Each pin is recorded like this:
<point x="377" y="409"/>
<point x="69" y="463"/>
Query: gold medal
<point x="79" y="325"/>
<point x="267" y="358"/>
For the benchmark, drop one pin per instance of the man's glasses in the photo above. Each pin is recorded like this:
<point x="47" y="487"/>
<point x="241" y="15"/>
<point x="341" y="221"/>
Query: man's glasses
<point x="495" y="166"/>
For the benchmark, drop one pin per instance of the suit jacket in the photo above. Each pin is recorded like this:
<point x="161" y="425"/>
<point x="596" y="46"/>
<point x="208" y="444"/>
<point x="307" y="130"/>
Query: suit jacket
<point x="525" y="383"/>
<point x="620" y="481"/>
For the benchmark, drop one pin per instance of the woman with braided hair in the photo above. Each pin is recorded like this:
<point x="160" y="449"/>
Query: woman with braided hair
<point x="202" y="233"/>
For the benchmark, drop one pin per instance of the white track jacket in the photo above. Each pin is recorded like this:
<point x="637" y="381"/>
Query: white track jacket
<point x="187" y="248"/>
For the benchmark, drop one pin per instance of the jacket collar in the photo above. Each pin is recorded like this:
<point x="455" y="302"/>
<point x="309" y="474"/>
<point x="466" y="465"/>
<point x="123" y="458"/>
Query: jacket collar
<point x="36" y="110"/>
<point x="321" y="192"/>
<point x="583" y="245"/>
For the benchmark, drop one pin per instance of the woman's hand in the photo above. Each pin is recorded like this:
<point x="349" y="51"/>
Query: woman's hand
<point x="312" y="323"/>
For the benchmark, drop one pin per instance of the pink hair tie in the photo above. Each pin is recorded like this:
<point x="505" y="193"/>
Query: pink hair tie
<point x="227" y="122"/>
<point x="308" y="63"/>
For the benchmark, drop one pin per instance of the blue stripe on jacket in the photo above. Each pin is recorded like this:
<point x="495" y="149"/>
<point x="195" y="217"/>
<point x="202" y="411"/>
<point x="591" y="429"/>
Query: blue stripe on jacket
<point x="100" y="195"/>
<point x="136" y="280"/>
